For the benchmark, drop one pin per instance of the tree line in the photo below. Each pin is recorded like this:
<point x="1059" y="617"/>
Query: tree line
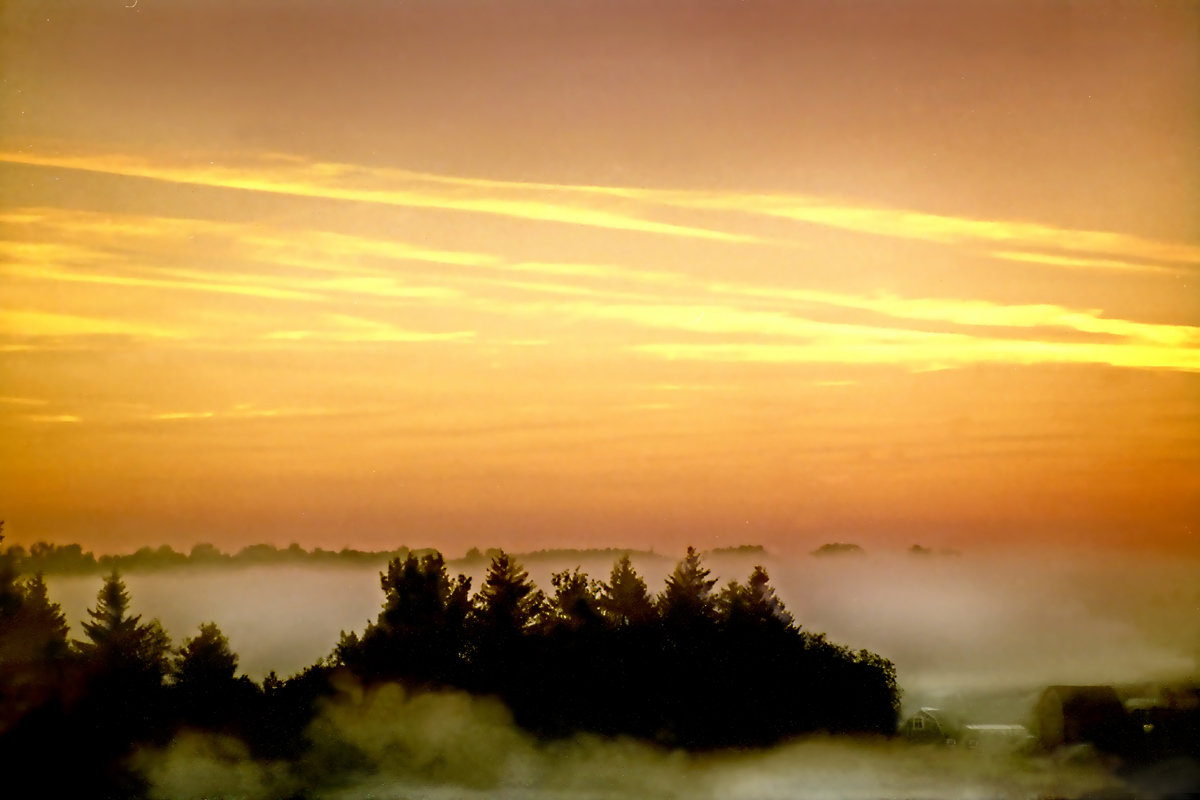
<point x="49" y="559"/>
<point x="693" y="666"/>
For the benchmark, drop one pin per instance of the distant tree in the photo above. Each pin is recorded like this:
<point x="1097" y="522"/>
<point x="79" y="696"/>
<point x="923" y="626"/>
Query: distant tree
<point x="625" y="599"/>
<point x="257" y="554"/>
<point x="839" y="549"/>
<point x="687" y="598"/>
<point x="205" y="553"/>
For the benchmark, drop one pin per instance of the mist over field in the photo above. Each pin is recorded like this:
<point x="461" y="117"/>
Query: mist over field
<point x="451" y="745"/>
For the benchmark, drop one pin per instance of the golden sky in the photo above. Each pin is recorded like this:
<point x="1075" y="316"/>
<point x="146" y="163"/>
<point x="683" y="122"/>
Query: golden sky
<point x="539" y="273"/>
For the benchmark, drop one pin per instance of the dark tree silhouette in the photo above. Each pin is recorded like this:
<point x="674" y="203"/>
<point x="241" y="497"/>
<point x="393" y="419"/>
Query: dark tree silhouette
<point x="206" y="689"/>
<point x="33" y="649"/>
<point x="36" y="629"/>
<point x="205" y="659"/>
<point x="753" y="604"/>
<point x="508" y="603"/>
<point x="624" y="599"/>
<point x="420" y="633"/>
<point x="120" y="643"/>
<point x="687" y="599"/>
<point x="508" y="611"/>
<point x="575" y="603"/>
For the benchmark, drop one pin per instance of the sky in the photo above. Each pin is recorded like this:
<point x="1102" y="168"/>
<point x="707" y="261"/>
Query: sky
<point x="570" y="273"/>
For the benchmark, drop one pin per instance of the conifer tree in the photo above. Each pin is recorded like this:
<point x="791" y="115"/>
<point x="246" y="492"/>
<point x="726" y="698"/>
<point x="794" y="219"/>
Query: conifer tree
<point x="420" y="632"/>
<point x="575" y="599"/>
<point x="754" y="604"/>
<point x="205" y="660"/>
<point x="508" y="602"/>
<point x="625" y="599"/>
<point x="687" y="598"/>
<point x="121" y="644"/>
<point x="37" y="630"/>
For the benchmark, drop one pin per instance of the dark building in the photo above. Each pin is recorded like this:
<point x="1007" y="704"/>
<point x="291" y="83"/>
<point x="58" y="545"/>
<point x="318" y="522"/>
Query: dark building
<point x="1083" y="714"/>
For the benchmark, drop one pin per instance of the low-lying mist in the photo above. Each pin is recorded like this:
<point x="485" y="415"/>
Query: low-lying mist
<point x="385" y="743"/>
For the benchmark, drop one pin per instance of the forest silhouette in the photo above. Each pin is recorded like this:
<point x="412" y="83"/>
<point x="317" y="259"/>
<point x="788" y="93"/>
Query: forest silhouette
<point x="692" y="667"/>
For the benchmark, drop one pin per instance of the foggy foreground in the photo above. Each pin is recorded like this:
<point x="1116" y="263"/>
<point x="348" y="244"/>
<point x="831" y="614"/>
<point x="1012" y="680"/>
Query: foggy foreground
<point x="451" y="745"/>
<point x="981" y="635"/>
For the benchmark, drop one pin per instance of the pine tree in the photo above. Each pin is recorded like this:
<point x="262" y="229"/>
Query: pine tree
<point x="120" y="644"/>
<point x="39" y="627"/>
<point x="205" y="660"/>
<point x="508" y="603"/>
<point x="687" y="598"/>
<point x="754" y="604"/>
<point x="625" y="599"/>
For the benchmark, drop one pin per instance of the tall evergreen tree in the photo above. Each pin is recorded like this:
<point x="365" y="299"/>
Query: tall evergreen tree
<point x="508" y="603"/>
<point x="687" y="598"/>
<point x="121" y="644"/>
<point x="625" y="599"/>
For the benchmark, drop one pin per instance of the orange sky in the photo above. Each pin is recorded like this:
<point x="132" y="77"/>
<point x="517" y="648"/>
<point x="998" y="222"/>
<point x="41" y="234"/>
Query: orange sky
<point x="540" y="273"/>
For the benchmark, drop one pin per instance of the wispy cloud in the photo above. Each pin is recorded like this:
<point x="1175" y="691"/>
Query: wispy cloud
<point x="24" y="401"/>
<point x="243" y="411"/>
<point x="297" y="178"/>
<point x="1077" y="262"/>
<point x="185" y="283"/>
<point x="344" y="328"/>
<point x="979" y="313"/>
<point x="935" y="351"/>
<point x="907" y="224"/>
<point x="31" y="324"/>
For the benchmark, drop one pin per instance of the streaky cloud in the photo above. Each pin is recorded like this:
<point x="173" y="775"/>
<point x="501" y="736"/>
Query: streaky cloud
<point x="347" y="182"/>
